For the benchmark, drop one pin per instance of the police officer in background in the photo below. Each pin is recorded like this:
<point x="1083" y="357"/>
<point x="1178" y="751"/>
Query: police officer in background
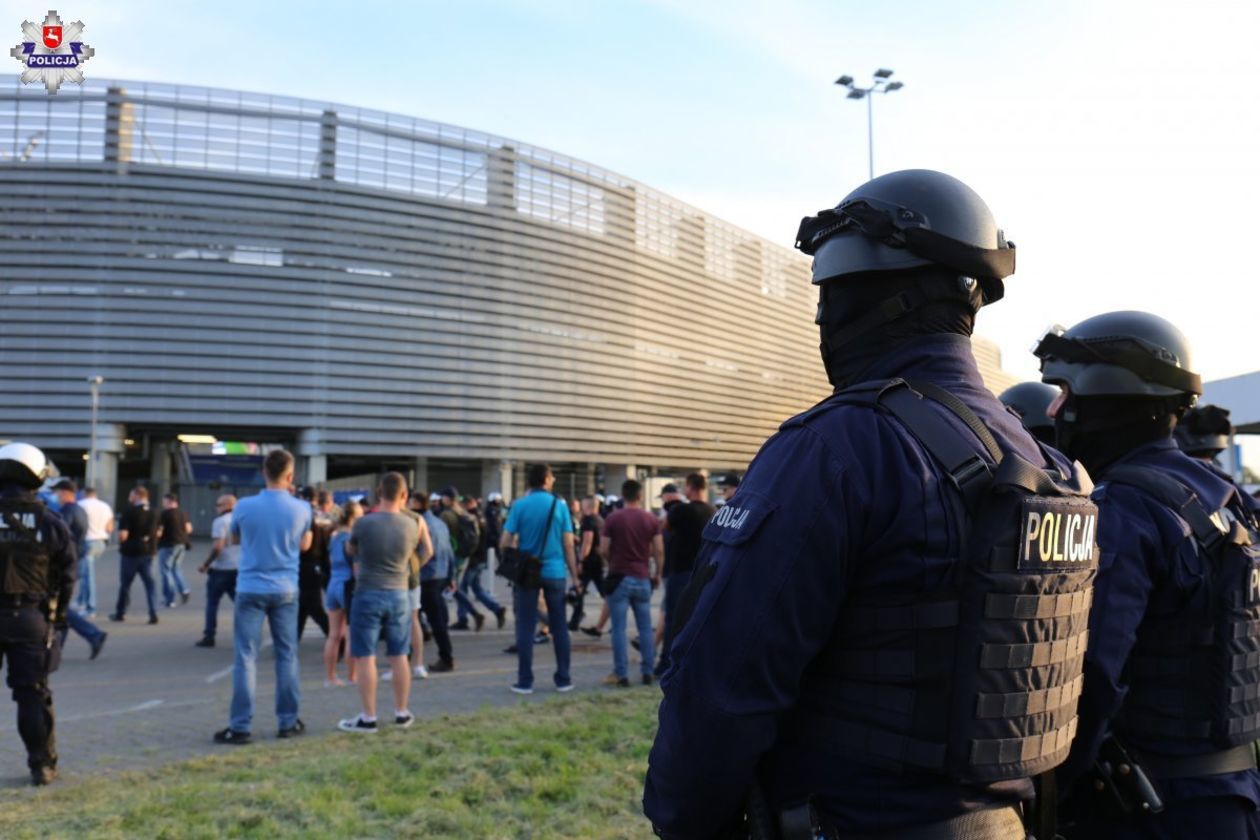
<point x="871" y="645"/>
<point x="37" y="569"/>
<point x="1171" y="701"/>
<point x="1031" y="401"/>
<point x="1203" y="433"/>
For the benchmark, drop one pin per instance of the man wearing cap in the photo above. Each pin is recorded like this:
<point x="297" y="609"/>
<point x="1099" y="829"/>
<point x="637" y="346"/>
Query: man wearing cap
<point x="729" y="485"/>
<point x="465" y="534"/>
<point x="76" y="520"/>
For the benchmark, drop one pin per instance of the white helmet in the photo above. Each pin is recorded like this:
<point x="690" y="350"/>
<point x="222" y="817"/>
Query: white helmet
<point x="25" y="465"/>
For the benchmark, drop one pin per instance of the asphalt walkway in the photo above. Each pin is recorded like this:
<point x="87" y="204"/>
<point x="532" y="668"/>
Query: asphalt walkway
<point x="152" y="697"/>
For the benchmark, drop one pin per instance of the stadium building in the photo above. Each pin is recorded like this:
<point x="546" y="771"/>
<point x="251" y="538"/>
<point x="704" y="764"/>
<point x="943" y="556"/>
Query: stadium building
<point x="375" y="292"/>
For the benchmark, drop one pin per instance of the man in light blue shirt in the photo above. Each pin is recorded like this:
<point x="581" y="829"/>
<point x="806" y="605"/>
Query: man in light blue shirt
<point x="273" y="528"/>
<point x="540" y="524"/>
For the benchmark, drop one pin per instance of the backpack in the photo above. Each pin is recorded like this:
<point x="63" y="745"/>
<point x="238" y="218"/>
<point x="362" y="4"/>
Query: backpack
<point x="466" y="536"/>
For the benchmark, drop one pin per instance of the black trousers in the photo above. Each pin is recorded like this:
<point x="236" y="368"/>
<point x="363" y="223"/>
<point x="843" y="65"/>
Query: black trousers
<point x="592" y="572"/>
<point x="311" y="604"/>
<point x="433" y="605"/>
<point x="28" y="660"/>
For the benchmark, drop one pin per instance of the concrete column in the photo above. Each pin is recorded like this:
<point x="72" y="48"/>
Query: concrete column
<point x="615" y="474"/>
<point x="312" y="463"/>
<point x="585" y="480"/>
<point x="109" y="446"/>
<point x="159" y="470"/>
<point x="518" y="480"/>
<point x="496" y="477"/>
<point x="420" y="475"/>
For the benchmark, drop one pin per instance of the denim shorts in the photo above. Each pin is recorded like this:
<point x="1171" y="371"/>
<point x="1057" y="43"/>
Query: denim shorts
<point x="335" y="597"/>
<point x="373" y="611"/>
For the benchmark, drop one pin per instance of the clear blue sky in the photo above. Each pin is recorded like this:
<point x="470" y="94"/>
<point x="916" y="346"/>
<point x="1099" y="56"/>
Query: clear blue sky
<point x="1116" y="142"/>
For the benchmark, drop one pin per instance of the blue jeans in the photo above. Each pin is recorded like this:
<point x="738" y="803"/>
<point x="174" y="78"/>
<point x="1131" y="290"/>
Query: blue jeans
<point x="219" y="582"/>
<point x="169" y="558"/>
<point x="85" y="598"/>
<point x="526" y="604"/>
<point x="79" y="624"/>
<point x="470" y="583"/>
<point x="129" y="567"/>
<point x="280" y="610"/>
<point x="675" y="584"/>
<point x="635" y="593"/>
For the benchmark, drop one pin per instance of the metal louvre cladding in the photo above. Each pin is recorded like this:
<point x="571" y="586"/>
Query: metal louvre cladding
<point x="403" y="287"/>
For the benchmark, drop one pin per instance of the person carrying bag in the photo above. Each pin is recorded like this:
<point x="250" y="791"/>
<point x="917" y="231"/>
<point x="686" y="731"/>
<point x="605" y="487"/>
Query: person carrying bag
<point x="541" y="576"/>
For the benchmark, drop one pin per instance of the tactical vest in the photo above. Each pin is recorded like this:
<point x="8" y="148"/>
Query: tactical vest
<point x="1197" y="677"/>
<point x="979" y="678"/>
<point x="24" y="560"/>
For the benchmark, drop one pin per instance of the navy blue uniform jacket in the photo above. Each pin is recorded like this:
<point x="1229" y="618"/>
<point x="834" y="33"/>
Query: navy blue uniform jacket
<point x="841" y="499"/>
<point x="1149" y="565"/>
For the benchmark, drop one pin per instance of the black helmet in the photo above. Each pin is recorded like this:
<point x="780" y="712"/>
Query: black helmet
<point x="1204" y="430"/>
<point x="910" y="219"/>
<point x="1120" y="354"/>
<point x="1030" y="400"/>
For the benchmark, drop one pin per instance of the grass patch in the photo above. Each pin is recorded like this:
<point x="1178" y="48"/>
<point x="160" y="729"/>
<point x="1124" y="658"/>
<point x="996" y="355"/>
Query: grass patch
<point x="568" y="768"/>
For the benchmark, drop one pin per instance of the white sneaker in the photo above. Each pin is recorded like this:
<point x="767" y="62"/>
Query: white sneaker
<point x="404" y="720"/>
<point x="420" y="672"/>
<point x="387" y="676"/>
<point x="357" y="724"/>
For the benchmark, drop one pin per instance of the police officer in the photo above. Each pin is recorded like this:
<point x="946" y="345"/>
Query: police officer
<point x="37" y="569"/>
<point x="1031" y="400"/>
<point x="864" y="651"/>
<point x="1172" y="675"/>
<point x="1203" y="433"/>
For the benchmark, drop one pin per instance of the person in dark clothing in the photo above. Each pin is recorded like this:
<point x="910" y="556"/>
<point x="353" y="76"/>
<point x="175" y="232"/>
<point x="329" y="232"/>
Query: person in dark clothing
<point x="76" y="520"/>
<point x="684" y="524"/>
<point x="38" y="564"/>
<point x="1172" y="672"/>
<point x="827" y="655"/>
<point x="313" y="572"/>
<point x="173" y="532"/>
<point x="137" y="542"/>
<point x="591" y="562"/>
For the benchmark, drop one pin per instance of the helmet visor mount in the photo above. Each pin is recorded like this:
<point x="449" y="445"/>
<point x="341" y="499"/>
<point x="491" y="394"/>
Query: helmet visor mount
<point x="1141" y="358"/>
<point x="903" y="229"/>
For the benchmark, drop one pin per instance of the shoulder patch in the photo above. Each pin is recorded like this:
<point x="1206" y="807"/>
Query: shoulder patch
<point x="739" y="519"/>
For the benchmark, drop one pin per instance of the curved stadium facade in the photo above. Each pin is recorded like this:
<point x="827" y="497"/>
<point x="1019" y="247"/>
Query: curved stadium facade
<point x="374" y="291"/>
<point x="367" y="287"/>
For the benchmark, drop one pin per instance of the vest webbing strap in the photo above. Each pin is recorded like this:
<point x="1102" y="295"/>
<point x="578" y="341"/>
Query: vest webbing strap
<point x="1031" y="748"/>
<point x="1024" y="703"/>
<point x="1172" y="493"/>
<point x="1036" y="655"/>
<point x="1243" y="693"/>
<point x="961" y="463"/>
<point x="1065" y="604"/>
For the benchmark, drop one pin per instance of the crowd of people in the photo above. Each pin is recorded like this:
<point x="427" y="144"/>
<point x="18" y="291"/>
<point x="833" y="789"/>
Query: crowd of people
<point x="383" y="568"/>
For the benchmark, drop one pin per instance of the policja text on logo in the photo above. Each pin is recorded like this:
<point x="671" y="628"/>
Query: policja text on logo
<point x="52" y="53"/>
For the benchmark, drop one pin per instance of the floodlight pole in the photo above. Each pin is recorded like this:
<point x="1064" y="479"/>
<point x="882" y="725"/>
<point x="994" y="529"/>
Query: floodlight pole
<point x="880" y="84"/>
<point x="94" y="382"/>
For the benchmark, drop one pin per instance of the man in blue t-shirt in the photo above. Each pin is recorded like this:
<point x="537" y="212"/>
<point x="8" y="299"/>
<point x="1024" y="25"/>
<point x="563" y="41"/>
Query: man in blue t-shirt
<point x="272" y="528"/>
<point x="540" y="524"/>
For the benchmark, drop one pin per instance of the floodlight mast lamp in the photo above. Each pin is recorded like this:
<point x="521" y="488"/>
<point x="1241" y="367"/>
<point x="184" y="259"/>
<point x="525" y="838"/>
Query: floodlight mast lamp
<point x="879" y="84"/>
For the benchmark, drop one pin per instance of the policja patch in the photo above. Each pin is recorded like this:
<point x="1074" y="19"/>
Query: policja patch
<point x="1057" y="534"/>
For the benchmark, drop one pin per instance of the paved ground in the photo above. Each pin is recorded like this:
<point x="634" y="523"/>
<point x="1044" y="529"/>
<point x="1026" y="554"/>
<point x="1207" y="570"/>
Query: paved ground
<point x="151" y="697"/>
